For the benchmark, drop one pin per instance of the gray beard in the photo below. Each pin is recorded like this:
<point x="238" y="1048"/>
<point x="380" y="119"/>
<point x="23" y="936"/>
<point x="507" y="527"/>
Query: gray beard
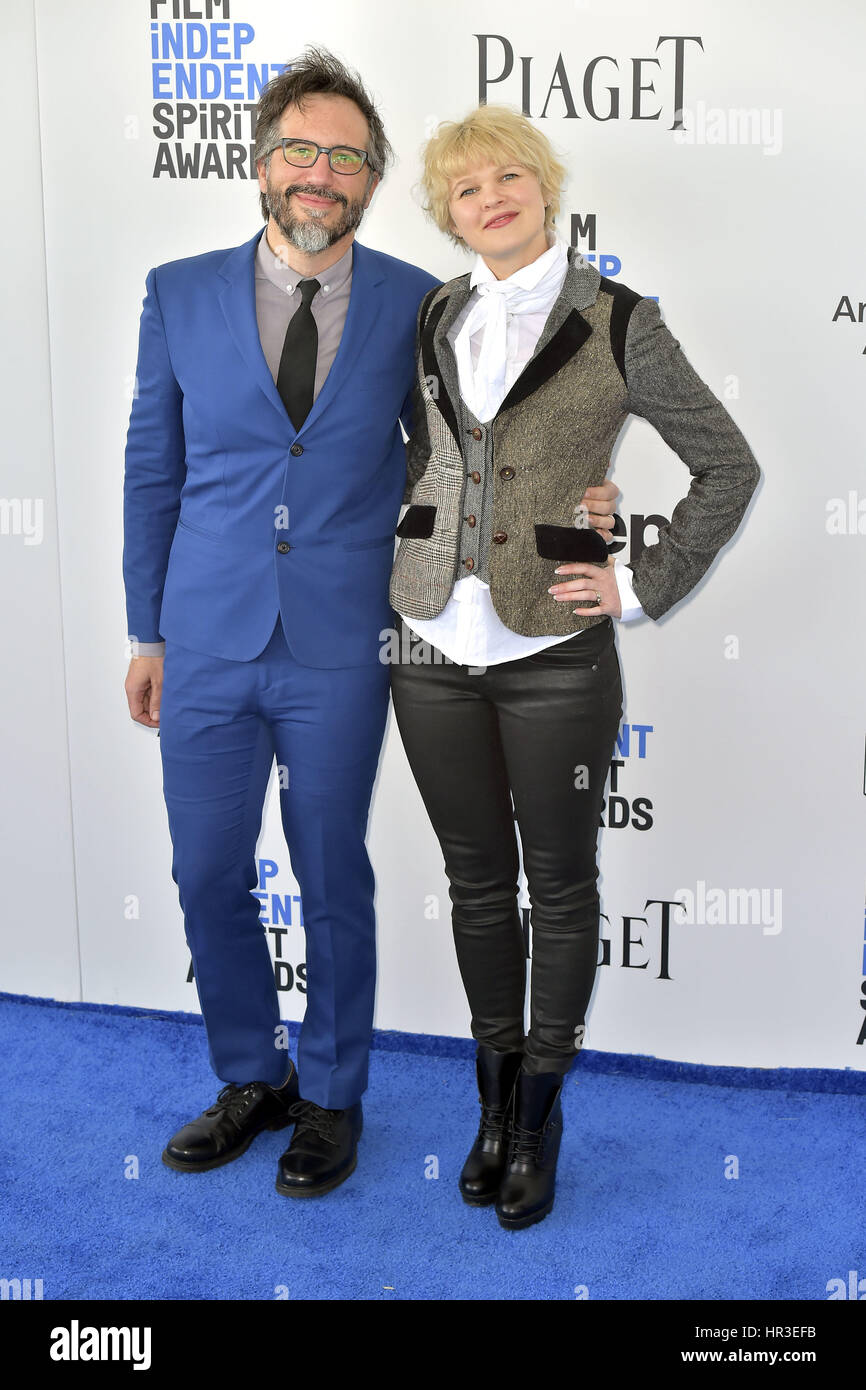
<point x="307" y="232"/>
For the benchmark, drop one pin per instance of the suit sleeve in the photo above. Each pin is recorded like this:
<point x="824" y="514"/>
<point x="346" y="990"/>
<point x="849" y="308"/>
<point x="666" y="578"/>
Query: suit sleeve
<point x="664" y="389"/>
<point x="154" y="474"/>
<point x="414" y="417"/>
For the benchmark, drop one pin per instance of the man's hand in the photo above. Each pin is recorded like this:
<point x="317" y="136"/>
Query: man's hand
<point x="143" y="688"/>
<point x="600" y="504"/>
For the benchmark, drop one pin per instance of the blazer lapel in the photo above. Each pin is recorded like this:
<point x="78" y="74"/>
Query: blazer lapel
<point x="437" y="355"/>
<point x="362" y="313"/>
<point x="238" y="302"/>
<point x="564" y="333"/>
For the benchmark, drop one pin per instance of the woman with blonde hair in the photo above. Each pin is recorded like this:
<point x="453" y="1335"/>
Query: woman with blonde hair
<point x="528" y="367"/>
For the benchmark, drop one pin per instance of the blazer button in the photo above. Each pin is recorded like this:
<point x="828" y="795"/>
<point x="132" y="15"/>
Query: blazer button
<point x="476" y="433"/>
<point x="470" y="563"/>
<point x="500" y="537"/>
<point x="476" y="477"/>
<point x="506" y="473"/>
<point x="296" y="449"/>
<point x="470" y="520"/>
<point x="283" y="547"/>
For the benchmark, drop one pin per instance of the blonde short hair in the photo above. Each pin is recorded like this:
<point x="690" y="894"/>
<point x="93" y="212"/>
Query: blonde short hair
<point x="498" y="134"/>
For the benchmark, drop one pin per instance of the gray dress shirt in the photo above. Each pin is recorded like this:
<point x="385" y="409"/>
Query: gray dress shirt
<point x="277" y="298"/>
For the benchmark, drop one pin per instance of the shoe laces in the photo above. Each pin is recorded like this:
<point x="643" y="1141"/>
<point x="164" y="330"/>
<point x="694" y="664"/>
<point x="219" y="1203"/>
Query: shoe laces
<point x="525" y="1143"/>
<point x="234" y="1099"/>
<point x="311" y="1116"/>
<point x="494" y="1121"/>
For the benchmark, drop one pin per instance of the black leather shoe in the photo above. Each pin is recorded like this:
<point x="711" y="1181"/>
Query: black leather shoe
<point x="227" y="1129"/>
<point x="323" y="1151"/>
<point x="527" y="1187"/>
<point x="482" y="1172"/>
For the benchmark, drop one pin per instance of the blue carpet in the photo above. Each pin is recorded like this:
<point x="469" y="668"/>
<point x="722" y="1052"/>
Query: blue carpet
<point x="643" y="1208"/>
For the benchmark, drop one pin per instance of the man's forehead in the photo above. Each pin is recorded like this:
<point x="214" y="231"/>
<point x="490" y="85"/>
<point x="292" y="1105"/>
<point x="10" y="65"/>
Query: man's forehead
<point x="321" y="106"/>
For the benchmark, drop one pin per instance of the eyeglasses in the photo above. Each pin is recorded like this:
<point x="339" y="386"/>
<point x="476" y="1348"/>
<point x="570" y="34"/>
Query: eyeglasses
<point x="343" y="159"/>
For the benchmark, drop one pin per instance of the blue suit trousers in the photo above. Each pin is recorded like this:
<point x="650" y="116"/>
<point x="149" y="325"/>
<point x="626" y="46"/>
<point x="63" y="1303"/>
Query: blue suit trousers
<point x="221" y="724"/>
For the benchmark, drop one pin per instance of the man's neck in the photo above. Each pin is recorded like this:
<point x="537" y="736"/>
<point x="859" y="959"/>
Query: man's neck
<point x="306" y="265"/>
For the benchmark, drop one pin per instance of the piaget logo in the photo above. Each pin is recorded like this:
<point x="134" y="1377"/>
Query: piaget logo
<point x="76" y="1343"/>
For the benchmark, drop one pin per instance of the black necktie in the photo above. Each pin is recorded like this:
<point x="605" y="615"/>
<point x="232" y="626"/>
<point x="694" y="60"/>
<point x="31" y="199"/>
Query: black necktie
<point x="296" y="377"/>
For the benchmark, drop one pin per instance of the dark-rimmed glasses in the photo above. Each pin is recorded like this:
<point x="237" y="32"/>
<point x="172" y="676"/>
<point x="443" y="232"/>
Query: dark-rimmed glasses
<point x="343" y="159"/>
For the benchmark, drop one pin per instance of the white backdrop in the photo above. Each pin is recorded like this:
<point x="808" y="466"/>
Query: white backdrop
<point x="739" y="775"/>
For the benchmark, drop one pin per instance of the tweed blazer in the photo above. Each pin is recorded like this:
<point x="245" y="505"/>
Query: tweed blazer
<point x="604" y="353"/>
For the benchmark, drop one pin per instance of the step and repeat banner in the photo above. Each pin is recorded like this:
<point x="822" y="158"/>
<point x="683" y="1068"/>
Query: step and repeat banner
<point x="714" y="161"/>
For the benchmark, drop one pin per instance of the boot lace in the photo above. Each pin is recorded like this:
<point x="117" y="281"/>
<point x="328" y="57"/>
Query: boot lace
<point x="494" y="1122"/>
<point x="525" y="1143"/>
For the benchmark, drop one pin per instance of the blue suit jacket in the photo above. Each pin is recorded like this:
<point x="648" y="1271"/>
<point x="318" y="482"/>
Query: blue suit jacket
<point x="217" y="477"/>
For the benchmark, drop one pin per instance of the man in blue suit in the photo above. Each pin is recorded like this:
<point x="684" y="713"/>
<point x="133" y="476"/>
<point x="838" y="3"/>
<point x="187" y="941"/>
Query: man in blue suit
<point x="265" y="469"/>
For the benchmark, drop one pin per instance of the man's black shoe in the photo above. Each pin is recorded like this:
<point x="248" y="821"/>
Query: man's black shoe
<point x="323" y="1151"/>
<point x="227" y="1129"/>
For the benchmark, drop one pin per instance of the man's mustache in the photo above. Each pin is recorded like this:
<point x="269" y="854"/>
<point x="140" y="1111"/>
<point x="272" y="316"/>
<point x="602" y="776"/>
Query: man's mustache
<point x="314" y="192"/>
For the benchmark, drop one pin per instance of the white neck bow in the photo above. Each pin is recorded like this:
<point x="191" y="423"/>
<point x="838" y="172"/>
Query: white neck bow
<point x="528" y="290"/>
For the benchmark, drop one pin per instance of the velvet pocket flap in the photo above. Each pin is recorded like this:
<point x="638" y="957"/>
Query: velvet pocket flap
<point x="566" y="543"/>
<point x="417" y="524"/>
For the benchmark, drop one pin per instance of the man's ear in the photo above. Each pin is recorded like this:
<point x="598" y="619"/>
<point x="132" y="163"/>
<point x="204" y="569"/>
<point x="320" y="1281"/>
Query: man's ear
<point x="372" y="185"/>
<point x="262" y="173"/>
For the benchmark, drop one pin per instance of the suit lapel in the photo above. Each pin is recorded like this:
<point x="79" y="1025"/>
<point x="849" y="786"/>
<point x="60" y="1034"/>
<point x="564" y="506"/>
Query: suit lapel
<point x="362" y="313"/>
<point x="238" y="302"/>
<point x="564" y="333"/>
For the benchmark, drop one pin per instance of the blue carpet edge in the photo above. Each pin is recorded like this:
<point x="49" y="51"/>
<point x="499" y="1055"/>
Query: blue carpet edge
<point x="850" y="1080"/>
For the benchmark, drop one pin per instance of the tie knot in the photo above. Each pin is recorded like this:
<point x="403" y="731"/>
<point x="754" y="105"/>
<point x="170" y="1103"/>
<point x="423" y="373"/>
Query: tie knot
<point x="308" y="288"/>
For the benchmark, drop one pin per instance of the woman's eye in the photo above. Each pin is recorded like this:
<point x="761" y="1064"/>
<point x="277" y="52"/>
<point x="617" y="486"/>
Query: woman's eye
<point x="511" y="175"/>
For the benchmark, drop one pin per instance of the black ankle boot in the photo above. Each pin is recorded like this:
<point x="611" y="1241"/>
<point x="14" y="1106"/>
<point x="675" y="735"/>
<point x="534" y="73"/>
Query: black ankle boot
<point x="496" y="1073"/>
<point x="527" y="1187"/>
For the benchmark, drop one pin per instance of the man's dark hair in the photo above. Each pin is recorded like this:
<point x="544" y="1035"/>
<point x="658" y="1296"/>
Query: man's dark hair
<point x="317" y="71"/>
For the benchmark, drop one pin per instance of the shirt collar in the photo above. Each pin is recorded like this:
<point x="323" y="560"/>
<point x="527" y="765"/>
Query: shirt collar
<point x="275" y="269"/>
<point x="555" y="258"/>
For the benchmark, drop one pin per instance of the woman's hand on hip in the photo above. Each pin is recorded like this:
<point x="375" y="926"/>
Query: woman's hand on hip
<point x="599" y="505"/>
<point x="585" y="582"/>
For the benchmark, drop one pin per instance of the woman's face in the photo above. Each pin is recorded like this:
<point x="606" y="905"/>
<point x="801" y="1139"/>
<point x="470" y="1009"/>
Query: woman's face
<point x="499" y="211"/>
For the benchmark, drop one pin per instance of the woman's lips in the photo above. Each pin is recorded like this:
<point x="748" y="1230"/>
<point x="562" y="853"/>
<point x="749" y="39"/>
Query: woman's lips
<point x="500" y="221"/>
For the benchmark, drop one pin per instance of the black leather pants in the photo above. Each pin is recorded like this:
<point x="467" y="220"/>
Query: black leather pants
<point x="540" y="730"/>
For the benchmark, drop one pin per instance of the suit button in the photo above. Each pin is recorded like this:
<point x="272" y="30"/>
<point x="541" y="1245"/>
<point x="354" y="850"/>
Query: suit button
<point x="296" y="449"/>
<point x="283" y="547"/>
<point x="470" y="563"/>
<point x="506" y="473"/>
<point x="500" y="537"/>
<point x="476" y="433"/>
<point x="476" y="477"/>
<point x="470" y="520"/>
